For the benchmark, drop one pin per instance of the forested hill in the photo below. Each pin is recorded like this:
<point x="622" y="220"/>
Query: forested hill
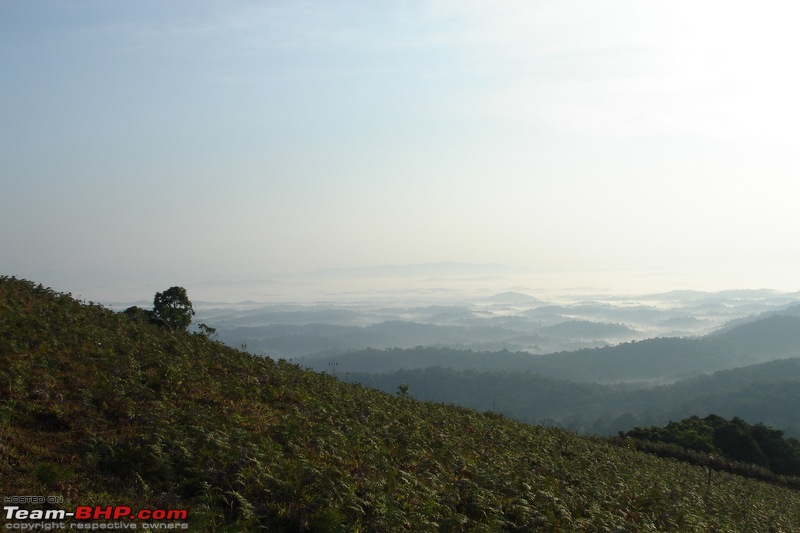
<point x="653" y="359"/>
<point x="767" y="393"/>
<point x="773" y="335"/>
<point x="106" y="408"/>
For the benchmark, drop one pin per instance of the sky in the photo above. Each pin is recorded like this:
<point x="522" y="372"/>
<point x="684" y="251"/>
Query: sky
<point x="584" y="143"/>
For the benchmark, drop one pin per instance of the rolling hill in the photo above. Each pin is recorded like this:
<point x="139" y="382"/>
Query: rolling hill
<point x="767" y="393"/>
<point x="655" y="359"/>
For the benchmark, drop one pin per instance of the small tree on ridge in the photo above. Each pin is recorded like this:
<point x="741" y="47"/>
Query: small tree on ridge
<point x="173" y="307"/>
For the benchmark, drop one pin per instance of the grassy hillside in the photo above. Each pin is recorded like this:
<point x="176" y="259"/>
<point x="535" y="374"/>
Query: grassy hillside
<point x="106" y="409"/>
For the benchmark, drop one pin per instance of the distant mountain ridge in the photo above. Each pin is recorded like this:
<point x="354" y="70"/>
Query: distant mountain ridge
<point x="775" y="333"/>
<point x="587" y="329"/>
<point x="767" y="393"/>
<point x="527" y="324"/>
<point x="652" y="359"/>
<point x="440" y="268"/>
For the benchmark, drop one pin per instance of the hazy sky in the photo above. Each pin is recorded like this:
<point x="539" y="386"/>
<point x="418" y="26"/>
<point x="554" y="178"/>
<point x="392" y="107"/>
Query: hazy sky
<point x="214" y="140"/>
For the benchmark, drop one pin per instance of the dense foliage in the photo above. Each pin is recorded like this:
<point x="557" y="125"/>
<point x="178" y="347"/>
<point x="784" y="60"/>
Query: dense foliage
<point x="733" y="439"/>
<point x="768" y="393"/>
<point x="104" y="408"/>
<point x="173" y="307"/>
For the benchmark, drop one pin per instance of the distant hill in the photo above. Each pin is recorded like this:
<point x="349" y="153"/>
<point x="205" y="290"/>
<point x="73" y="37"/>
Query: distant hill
<point x="512" y="297"/>
<point x="520" y="395"/>
<point x="776" y="334"/>
<point x="106" y="409"/>
<point x="587" y="330"/>
<point x="775" y="371"/>
<point x="749" y="294"/>
<point x="512" y="321"/>
<point x="765" y="393"/>
<point x="648" y="360"/>
<point x="682" y="322"/>
<point x="651" y="359"/>
<point x="290" y="340"/>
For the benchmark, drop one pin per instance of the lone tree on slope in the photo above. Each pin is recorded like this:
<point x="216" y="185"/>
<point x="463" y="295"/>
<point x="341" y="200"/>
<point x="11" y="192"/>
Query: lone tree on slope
<point x="173" y="307"/>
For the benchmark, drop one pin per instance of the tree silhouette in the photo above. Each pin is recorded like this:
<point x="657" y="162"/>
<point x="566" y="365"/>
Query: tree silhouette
<point x="173" y="307"/>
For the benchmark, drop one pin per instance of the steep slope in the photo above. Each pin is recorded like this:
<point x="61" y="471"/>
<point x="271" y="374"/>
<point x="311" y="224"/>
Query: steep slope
<point x="105" y="409"/>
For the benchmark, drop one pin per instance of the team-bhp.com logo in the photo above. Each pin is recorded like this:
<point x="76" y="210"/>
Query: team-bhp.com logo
<point x="118" y="517"/>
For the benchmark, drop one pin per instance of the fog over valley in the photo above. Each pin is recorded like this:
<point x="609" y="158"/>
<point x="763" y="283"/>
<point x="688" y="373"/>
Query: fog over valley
<point x="511" y="320"/>
<point x="588" y="361"/>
